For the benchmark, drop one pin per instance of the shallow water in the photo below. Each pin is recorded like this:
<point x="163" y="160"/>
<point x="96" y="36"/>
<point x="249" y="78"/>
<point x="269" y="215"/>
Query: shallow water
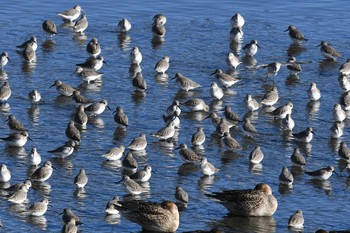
<point x="197" y="42"/>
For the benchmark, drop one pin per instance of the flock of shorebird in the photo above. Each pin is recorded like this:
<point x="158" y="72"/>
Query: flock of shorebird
<point x="164" y="216"/>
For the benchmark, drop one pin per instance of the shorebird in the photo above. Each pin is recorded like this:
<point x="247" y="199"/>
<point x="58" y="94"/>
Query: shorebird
<point x="185" y="83"/>
<point x="270" y="98"/>
<point x="198" y="138"/>
<point x="295" y="34"/>
<point x="62" y="88"/>
<point x="207" y="168"/>
<point x="4" y="59"/>
<point x="329" y="52"/>
<point x="50" y="28"/>
<point x="93" y="47"/>
<point x="196" y="104"/>
<point x="43" y="173"/>
<point x="181" y="195"/>
<point x="237" y="21"/>
<point x="138" y="143"/>
<point x="39" y="208"/>
<point x="256" y="156"/>
<point x="120" y="117"/>
<point x="296" y="220"/>
<point x="71" y="14"/>
<point x="114" y="154"/>
<point x="163" y="65"/>
<point x="225" y="79"/>
<point x="297" y="158"/>
<point x="321" y="174"/>
<point x="132" y="186"/>
<point x="344" y="151"/>
<point x="251" y="48"/>
<point x="249" y="202"/>
<point x="64" y="151"/>
<point x="286" y="177"/>
<point x="81" y="179"/>
<point x="232" y="60"/>
<point x="304" y="136"/>
<point x="188" y="155"/>
<point x="142" y="175"/>
<point x="124" y="25"/>
<point x="313" y="92"/>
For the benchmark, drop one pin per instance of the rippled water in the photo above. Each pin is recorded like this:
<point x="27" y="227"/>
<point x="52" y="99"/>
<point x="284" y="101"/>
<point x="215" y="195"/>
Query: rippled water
<point x="197" y="42"/>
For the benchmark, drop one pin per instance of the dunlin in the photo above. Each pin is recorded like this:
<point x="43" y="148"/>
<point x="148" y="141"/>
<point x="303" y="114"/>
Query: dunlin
<point x="97" y="108"/>
<point x="230" y="142"/>
<point x="251" y="48"/>
<point x="5" y="174"/>
<point x="5" y="92"/>
<point x="80" y="99"/>
<point x="71" y="14"/>
<point x="68" y="215"/>
<point x="250" y="202"/>
<point x="50" y="28"/>
<point x="256" y="156"/>
<point x="282" y="111"/>
<point x="295" y="34"/>
<point x="344" y="69"/>
<point x="88" y="75"/>
<point x="198" y="138"/>
<point x="165" y="133"/>
<point x="94" y="63"/>
<point x="62" y="88"/>
<point x="34" y="157"/>
<point x="39" y="208"/>
<point x="34" y="96"/>
<point x="64" y="151"/>
<point x="42" y="173"/>
<point x="288" y="123"/>
<point x="132" y="187"/>
<point x="142" y="175"/>
<point x="215" y="91"/>
<point x="135" y="56"/>
<point x="124" y="25"/>
<point x="72" y="132"/>
<point x="304" y="136"/>
<point x="188" y="155"/>
<point x="338" y="113"/>
<point x="296" y="220"/>
<point x="207" y="168"/>
<point x="321" y="174"/>
<point x="232" y="60"/>
<point x="114" y="154"/>
<point x="139" y="82"/>
<point x="196" y="104"/>
<point x="230" y="115"/>
<point x="286" y="177"/>
<point x="181" y="195"/>
<point x="344" y="151"/>
<point x="80" y="117"/>
<point x="93" y="47"/>
<point x="328" y="51"/>
<point x="4" y="59"/>
<point x="19" y="196"/>
<point x="17" y="139"/>
<point x="15" y="125"/>
<point x="129" y="163"/>
<point x="336" y="130"/>
<point x="271" y="97"/>
<point x="237" y="21"/>
<point x="293" y="66"/>
<point x="297" y="158"/>
<point x="81" y="179"/>
<point x="225" y="79"/>
<point x="111" y="207"/>
<point x="313" y="92"/>
<point x="32" y="42"/>
<point x="163" y="65"/>
<point x="174" y="107"/>
<point x="120" y="117"/>
<point x="138" y="143"/>
<point x="81" y="25"/>
<point x="251" y="103"/>
<point x="185" y="83"/>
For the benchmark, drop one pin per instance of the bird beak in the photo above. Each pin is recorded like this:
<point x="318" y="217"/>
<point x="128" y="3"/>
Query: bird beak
<point x="294" y="109"/>
<point x="9" y="59"/>
<point x="213" y="73"/>
<point x="313" y="132"/>
<point x="104" y="62"/>
<point x="318" y="45"/>
<point x="109" y="108"/>
<point x="177" y="148"/>
<point x="173" y="78"/>
<point x="52" y="85"/>
<point x="154" y="172"/>
<point x="30" y="139"/>
<point x="258" y="46"/>
<point x="336" y="173"/>
<point x="285" y="30"/>
<point x="119" y="181"/>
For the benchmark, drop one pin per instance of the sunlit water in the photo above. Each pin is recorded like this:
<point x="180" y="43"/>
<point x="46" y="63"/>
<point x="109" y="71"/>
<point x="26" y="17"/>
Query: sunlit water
<point x="197" y="41"/>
